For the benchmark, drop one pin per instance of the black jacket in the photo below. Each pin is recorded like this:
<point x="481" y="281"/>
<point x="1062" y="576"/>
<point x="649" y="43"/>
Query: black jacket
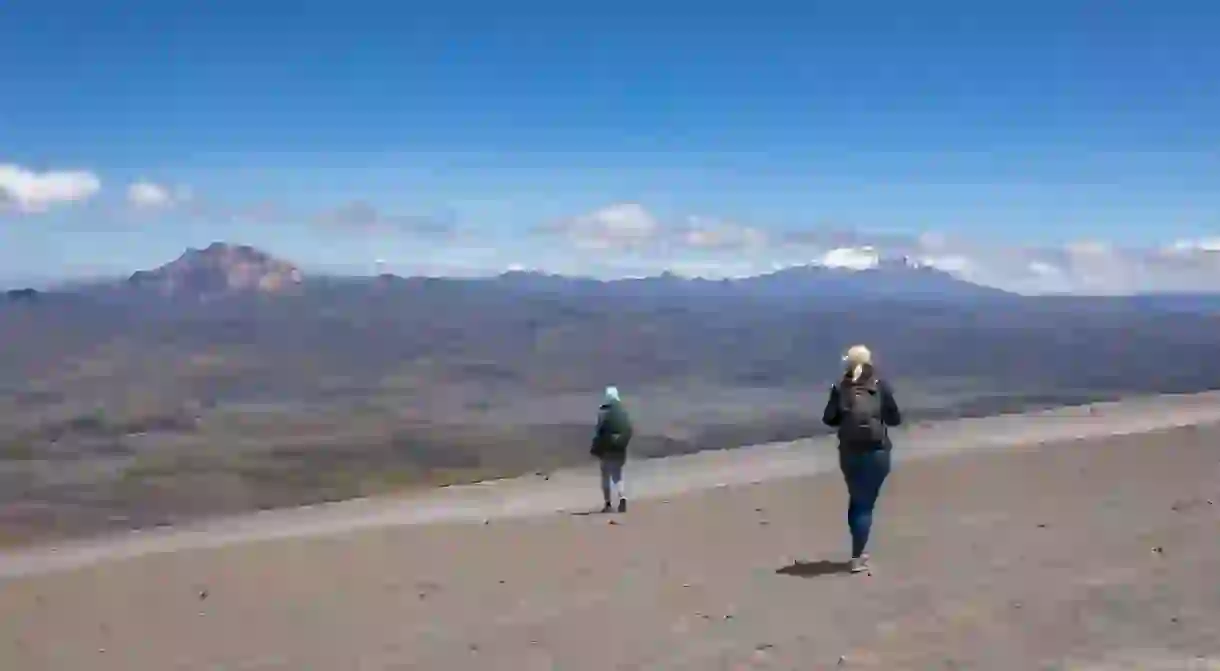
<point x="890" y="415"/>
<point x="613" y="432"/>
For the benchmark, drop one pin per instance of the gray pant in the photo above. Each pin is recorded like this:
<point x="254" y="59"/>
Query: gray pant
<point x="612" y="477"/>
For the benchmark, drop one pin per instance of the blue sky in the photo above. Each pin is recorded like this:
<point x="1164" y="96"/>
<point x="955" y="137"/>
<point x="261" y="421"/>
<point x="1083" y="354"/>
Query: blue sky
<point x="1035" y="125"/>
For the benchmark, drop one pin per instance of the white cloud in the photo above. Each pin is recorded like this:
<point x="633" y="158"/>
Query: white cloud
<point x="146" y="195"/>
<point x="850" y="258"/>
<point x="1184" y="265"/>
<point x="30" y="192"/>
<point x="1189" y="247"/>
<point x="954" y="264"/>
<point x="1043" y="269"/>
<point x="1089" y="267"/>
<point x="622" y="225"/>
<point x="712" y="234"/>
<point x="1096" y="266"/>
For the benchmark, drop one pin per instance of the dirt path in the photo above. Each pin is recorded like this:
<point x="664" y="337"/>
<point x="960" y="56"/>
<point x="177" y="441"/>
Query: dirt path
<point x="1086" y="555"/>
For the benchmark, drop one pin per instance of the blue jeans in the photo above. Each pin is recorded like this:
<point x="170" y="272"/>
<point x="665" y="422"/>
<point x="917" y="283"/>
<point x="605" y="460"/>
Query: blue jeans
<point x="864" y="473"/>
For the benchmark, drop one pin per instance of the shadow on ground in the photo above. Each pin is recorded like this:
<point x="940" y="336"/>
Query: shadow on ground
<point x="816" y="569"/>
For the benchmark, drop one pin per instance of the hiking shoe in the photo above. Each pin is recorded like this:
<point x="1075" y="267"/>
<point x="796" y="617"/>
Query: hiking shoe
<point x="860" y="564"/>
<point x="622" y="505"/>
<point x="607" y="509"/>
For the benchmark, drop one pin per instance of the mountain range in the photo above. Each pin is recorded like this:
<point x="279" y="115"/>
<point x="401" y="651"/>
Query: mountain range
<point x="228" y="379"/>
<point x="224" y="270"/>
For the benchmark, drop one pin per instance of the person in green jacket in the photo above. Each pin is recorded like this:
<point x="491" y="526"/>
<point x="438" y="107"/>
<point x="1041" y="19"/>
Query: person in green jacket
<point x="610" y="441"/>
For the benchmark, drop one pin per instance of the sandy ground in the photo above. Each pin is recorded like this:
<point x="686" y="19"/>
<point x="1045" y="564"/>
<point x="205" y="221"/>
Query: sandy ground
<point x="1089" y="554"/>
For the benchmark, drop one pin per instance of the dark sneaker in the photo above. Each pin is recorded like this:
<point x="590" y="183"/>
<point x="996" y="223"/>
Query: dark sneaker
<point x="860" y="564"/>
<point x="622" y="505"/>
<point x="607" y="509"/>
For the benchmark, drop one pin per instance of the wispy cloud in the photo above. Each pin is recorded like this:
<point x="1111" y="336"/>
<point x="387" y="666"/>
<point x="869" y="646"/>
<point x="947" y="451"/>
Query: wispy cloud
<point x="633" y="228"/>
<point x="635" y="240"/>
<point x="714" y="234"/>
<point x="353" y="216"/>
<point x="146" y="195"/>
<point x="27" y="191"/>
<point x="614" y="227"/>
<point x="363" y="216"/>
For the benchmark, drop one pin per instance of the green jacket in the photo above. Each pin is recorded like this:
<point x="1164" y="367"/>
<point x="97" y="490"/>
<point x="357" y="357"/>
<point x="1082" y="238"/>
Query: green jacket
<point x="613" y="431"/>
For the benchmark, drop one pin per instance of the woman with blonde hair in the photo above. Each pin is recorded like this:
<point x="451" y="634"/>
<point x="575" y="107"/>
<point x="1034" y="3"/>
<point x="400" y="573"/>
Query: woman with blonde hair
<point x="861" y="407"/>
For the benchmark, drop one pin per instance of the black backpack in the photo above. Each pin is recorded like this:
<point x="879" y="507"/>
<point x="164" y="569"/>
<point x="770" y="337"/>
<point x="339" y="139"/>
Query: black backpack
<point x="860" y="414"/>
